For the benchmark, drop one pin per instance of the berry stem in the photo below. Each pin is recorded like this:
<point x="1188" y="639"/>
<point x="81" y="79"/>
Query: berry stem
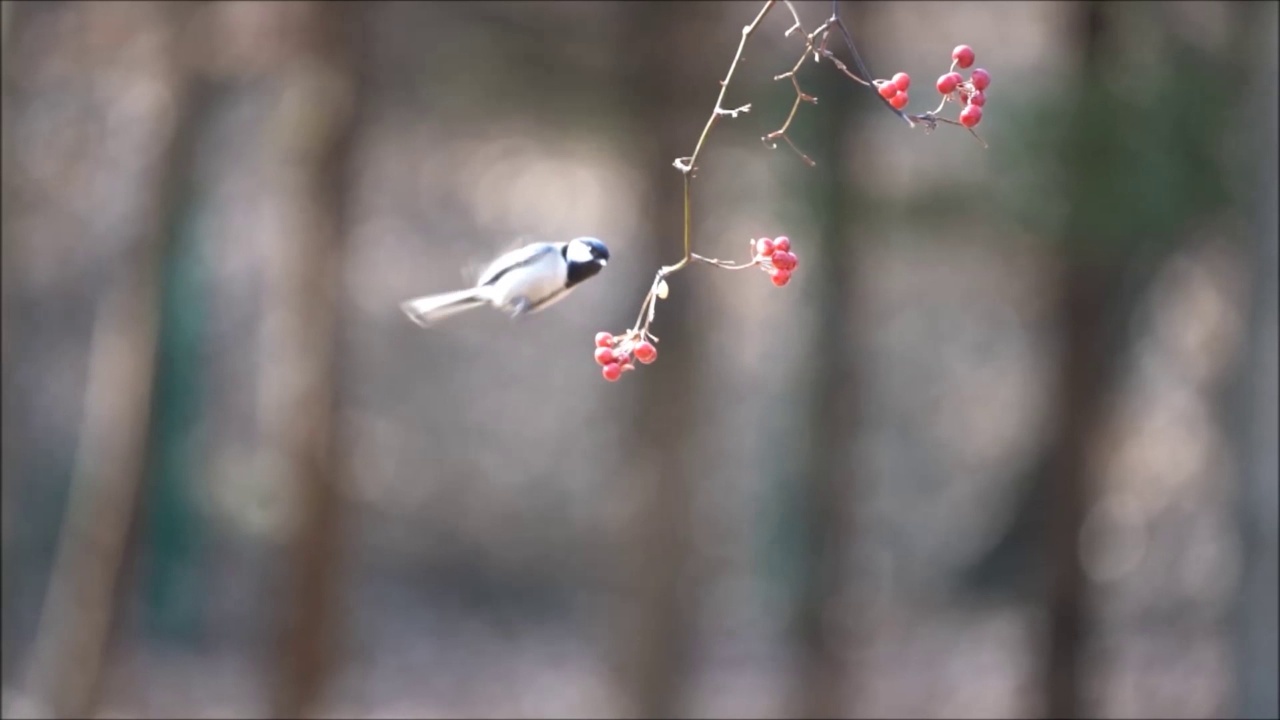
<point x="725" y="264"/>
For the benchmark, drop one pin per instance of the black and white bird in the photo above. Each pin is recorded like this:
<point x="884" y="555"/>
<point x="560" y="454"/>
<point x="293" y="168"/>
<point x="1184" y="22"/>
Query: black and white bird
<point x="520" y="282"/>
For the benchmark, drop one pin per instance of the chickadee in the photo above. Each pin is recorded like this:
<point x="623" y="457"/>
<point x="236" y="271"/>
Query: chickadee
<point x="520" y="282"/>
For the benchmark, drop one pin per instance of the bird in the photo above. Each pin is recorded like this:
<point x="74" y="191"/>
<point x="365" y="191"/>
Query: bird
<point x="520" y="282"/>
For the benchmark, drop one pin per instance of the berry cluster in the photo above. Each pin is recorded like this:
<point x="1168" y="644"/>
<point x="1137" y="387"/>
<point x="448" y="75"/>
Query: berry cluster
<point x="895" y="90"/>
<point x="775" y="258"/>
<point x="971" y="92"/>
<point x="613" y="354"/>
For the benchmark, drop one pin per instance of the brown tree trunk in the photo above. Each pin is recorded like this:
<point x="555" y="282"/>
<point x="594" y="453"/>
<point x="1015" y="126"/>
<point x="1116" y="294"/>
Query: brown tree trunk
<point x="76" y="619"/>
<point x="1087" y="280"/>
<point x="1081" y="313"/>
<point x="655" y="623"/>
<point x="314" y="135"/>
<point x="8" y="280"/>
<point x="825" y="605"/>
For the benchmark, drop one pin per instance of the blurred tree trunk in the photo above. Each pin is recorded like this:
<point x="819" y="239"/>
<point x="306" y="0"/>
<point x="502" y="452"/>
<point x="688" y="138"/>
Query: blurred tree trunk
<point x="1087" y="280"/>
<point x="76" y="619"/>
<point x="1256" y="406"/>
<point x="313" y="137"/>
<point x="171" y="523"/>
<point x="8" y="280"/>
<point x="823" y="608"/>
<point x="656" y="623"/>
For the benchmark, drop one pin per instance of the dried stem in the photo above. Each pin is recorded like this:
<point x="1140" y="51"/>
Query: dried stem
<point x="801" y="95"/>
<point x="725" y="264"/>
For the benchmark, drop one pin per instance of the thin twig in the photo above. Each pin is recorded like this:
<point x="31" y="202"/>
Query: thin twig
<point x="725" y="264"/>
<point x="687" y="165"/>
<point x="747" y="31"/>
<point x="801" y="95"/>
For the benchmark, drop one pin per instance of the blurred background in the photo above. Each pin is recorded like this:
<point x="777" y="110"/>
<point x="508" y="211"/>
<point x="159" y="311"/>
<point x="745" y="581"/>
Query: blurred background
<point x="1005" y="446"/>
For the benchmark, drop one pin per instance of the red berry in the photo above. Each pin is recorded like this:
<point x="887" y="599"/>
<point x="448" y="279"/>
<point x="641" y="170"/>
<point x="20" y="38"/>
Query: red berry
<point x="784" y="260"/>
<point x="646" y="352"/>
<point x="764" y="246"/>
<point x="978" y="98"/>
<point x="980" y="79"/>
<point x="947" y="83"/>
<point x="792" y="261"/>
<point x="604" y="355"/>
<point x="611" y="372"/>
<point x="603" y="339"/>
<point x="971" y="115"/>
<point x="903" y="81"/>
<point x="898" y="101"/>
<point x="783" y="243"/>
<point x="781" y="277"/>
<point x="886" y="89"/>
<point x="963" y="55"/>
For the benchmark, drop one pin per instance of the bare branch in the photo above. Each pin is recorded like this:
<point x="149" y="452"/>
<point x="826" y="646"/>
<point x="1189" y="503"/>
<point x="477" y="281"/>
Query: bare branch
<point x="801" y="95"/>
<point x="719" y="110"/>
<point x="815" y="44"/>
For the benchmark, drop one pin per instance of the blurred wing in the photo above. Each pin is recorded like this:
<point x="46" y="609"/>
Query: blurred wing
<point x="520" y="257"/>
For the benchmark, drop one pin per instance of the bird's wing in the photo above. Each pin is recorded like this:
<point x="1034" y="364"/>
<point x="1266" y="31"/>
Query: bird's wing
<point x="520" y="257"/>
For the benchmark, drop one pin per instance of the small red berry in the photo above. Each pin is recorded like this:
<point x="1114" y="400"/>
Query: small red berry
<point x="604" y="355"/>
<point x="886" y="89"/>
<point x="603" y="339"/>
<point x="971" y="115"/>
<point x="783" y="243"/>
<point x="792" y="261"/>
<point x="781" y="277"/>
<point x="898" y="101"/>
<point x="646" y="352"/>
<point x="978" y="98"/>
<point x="784" y="260"/>
<point x="947" y="83"/>
<point x="963" y="55"/>
<point x="902" y="81"/>
<point x="611" y="372"/>
<point x="980" y="79"/>
<point x="764" y="246"/>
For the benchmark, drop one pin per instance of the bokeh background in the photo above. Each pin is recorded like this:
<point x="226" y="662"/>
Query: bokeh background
<point x="1005" y="446"/>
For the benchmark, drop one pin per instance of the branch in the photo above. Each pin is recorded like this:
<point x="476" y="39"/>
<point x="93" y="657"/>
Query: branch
<point x="801" y="95"/>
<point x="614" y="352"/>
<point x="686" y="164"/>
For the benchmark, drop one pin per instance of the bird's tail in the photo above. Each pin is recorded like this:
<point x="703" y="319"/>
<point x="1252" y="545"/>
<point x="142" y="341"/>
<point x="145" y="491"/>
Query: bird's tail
<point x="429" y="309"/>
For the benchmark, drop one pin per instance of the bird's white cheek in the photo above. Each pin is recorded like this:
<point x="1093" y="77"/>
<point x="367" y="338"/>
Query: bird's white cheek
<point x="579" y="253"/>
